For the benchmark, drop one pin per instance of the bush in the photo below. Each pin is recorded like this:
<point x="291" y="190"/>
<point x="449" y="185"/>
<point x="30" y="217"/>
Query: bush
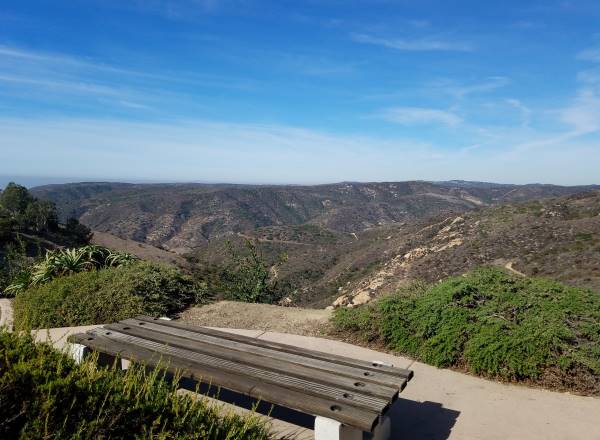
<point x="106" y="295"/>
<point x="66" y="262"/>
<point x="492" y="324"/>
<point x="45" y="395"/>
<point x="248" y="278"/>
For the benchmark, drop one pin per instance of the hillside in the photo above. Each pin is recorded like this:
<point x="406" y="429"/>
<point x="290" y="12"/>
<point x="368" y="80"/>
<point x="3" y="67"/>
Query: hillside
<point x="183" y="217"/>
<point x="558" y="238"/>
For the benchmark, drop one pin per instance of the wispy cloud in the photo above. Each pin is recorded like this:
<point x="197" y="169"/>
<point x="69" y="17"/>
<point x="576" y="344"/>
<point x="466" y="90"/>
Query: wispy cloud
<point x="262" y="153"/>
<point x="64" y="86"/>
<point x="591" y="54"/>
<point x="60" y="79"/>
<point x="421" y="44"/>
<point x="523" y="109"/>
<point x="420" y="116"/>
<point x="182" y="10"/>
<point x="462" y="91"/>
<point x="590" y="76"/>
<point x="584" y="113"/>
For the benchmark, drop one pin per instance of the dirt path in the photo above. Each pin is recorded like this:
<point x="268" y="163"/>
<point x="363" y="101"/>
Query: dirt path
<point x="509" y="266"/>
<point x="274" y="240"/>
<point x="265" y="317"/>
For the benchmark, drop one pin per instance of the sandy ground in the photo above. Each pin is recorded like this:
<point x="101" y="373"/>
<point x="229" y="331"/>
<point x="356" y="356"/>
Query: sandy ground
<point x="265" y="317"/>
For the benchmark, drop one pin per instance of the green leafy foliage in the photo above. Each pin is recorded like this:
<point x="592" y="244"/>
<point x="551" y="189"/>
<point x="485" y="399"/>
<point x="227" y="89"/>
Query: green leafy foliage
<point x="492" y="324"/>
<point x="26" y="212"/>
<point x="26" y="223"/>
<point x="15" y="265"/>
<point x="106" y="295"/>
<point x="44" y="394"/>
<point x="66" y="262"/>
<point x="248" y="278"/>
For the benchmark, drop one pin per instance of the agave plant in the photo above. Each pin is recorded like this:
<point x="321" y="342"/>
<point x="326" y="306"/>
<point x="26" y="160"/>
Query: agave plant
<point x="19" y="283"/>
<point x="116" y="259"/>
<point x="95" y="254"/>
<point x="68" y="261"/>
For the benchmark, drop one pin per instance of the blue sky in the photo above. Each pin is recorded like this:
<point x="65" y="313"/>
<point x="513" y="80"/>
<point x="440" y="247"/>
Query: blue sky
<point x="300" y="91"/>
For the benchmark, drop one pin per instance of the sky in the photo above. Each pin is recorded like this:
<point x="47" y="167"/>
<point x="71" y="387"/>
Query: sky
<point x="301" y="92"/>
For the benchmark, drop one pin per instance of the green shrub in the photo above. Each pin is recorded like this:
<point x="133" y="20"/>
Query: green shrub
<point x="492" y="323"/>
<point x="248" y="278"/>
<point x="63" y="262"/>
<point x="45" y="395"/>
<point x="106" y="295"/>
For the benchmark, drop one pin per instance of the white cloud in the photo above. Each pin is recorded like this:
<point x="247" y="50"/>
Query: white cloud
<point x="422" y="44"/>
<point x="591" y="54"/>
<point x="523" y="109"/>
<point x="199" y="150"/>
<point x="584" y="113"/>
<point x="490" y="84"/>
<point x="63" y="86"/>
<point x="420" y="116"/>
<point x="590" y="76"/>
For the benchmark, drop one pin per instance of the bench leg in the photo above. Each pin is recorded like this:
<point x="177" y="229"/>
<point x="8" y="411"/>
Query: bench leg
<point x="328" y="429"/>
<point x="383" y="430"/>
<point x="78" y="352"/>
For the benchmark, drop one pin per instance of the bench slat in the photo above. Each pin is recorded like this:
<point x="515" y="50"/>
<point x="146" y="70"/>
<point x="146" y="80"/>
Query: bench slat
<point x="283" y="380"/>
<point x="394" y="371"/>
<point x="264" y="348"/>
<point x="221" y="349"/>
<point x="153" y="354"/>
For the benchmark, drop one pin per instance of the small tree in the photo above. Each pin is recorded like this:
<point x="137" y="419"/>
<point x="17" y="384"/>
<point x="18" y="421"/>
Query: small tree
<point x="15" y="198"/>
<point x="81" y="233"/>
<point x="248" y="278"/>
<point x="40" y="216"/>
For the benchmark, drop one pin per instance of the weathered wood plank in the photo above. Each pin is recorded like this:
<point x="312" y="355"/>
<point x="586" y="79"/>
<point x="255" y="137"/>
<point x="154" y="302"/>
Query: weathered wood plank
<point x="221" y="349"/>
<point x="174" y="360"/>
<point x="263" y="375"/>
<point x="343" y="360"/>
<point x="366" y="375"/>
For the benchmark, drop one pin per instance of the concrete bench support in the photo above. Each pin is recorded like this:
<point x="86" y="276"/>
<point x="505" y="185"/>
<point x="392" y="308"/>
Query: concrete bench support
<point x="329" y="429"/>
<point x="80" y="352"/>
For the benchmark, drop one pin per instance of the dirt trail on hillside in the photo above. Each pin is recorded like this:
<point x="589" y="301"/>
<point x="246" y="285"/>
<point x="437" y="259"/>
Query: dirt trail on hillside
<point x="266" y="317"/>
<point x="509" y="266"/>
<point x="273" y="240"/>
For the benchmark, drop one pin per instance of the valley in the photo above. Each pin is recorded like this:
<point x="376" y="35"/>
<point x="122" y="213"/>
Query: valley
<point x="349" y="242"/>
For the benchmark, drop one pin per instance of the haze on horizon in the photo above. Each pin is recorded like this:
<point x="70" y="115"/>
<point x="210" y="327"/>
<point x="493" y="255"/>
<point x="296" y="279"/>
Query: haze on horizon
<point x="248" y="91"/>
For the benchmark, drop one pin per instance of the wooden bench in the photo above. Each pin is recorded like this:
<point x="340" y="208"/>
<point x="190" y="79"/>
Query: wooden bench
<point x="347" y="396"/>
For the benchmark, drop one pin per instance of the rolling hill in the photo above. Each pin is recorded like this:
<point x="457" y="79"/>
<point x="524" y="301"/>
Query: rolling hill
<point x="558" y="238"/>
<point x="185" y="217"/>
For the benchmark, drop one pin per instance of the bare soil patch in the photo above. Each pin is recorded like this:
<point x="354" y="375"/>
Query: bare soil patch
<point x="266" y="317"/>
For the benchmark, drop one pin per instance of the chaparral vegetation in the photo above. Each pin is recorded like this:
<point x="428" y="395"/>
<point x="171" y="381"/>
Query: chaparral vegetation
<point x="492" y="324"/>
<point x="44" y="394"/>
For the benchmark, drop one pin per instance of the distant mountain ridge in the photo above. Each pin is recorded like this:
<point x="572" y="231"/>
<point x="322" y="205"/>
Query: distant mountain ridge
<point x="182" y="217"/>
